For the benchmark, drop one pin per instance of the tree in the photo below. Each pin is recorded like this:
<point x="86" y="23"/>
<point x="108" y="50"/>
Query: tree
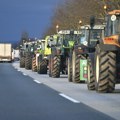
<point x="70" y="12"/>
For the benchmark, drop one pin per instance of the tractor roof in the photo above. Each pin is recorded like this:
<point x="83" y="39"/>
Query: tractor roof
<point x="95" y="27"/>
<point x="67" y="32"/>
<point x="114" y="12"/>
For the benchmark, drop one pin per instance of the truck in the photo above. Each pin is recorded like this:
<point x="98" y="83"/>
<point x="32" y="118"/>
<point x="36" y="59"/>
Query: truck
<point x="5" y="52"/>
<point x="15" y="54"/>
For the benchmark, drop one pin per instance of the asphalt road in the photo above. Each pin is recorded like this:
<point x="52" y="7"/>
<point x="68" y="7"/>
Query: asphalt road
<point x="24" y="98"/>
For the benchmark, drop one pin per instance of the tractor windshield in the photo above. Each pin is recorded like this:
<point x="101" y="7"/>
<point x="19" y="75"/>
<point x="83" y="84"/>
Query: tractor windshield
<point x="90" y="35"/>
<point x="95" y="35"/>
<point x="113" y="26"/>
<point x="68" y="40"/>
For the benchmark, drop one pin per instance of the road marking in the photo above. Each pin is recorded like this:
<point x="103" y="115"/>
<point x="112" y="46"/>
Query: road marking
<point x="69" y="98"/>
<point x="18" y="70"/>
<point x="37" y="81"/>
<point x="24" y="74"/>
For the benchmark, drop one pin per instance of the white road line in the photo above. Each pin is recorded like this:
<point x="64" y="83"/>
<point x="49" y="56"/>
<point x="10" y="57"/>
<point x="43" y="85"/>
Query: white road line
<point x="69" y="98"/>
<point x="24" y="74"/>
<point x="18" y="70"/>
<point x="37" y="81"/>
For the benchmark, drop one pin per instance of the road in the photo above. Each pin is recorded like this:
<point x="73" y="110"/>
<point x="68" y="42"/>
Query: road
<point x="42" y="98"/>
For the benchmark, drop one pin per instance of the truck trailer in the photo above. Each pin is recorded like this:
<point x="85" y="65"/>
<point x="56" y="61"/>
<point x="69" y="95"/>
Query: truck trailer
<point x="5" y="52"/>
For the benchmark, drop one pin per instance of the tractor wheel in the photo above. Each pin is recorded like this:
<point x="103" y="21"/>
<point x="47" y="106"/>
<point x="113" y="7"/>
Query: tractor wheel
<point x="50" y="66"/>
<point x="42" y="66"/>
<point x="34" y="67"/>
<point x="76" y="67"/>
<point x="105" y="71"/>
<point x="91" y="78"/>
<point x="56" y="67"/>
<point x="28" y="61"/>
<point x="22" y="62"/>
<point x="69" y="70"/>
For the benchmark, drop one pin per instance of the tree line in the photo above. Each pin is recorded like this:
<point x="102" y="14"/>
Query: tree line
<point x="68" y="14"/>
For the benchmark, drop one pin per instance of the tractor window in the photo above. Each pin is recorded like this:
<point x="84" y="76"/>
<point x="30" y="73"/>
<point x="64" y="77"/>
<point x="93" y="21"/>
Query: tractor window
<point x="95" y="35"/>
<point x="116" y="26"/>
<point x="59" y="41"/>
<point x="84" y="37"/>
<point x="92" y="35"/>
<point x="68" y="38"/>
<point x="113" y="27"/>
<point x="43" y="45"/>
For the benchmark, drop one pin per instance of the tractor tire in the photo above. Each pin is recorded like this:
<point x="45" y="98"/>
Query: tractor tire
<point x="91" y="78"/>
<point x="28" y="61"/>
<point x="22" y="62"/>
<point x="34" y="67"/>
<point x="42" y="66"/>
<point x="50" y="66"/>
<point x="76" y="67"/>
<point x="69" y="70"/>
<point x="105" y="71"/>
<point x="56" y="67"/>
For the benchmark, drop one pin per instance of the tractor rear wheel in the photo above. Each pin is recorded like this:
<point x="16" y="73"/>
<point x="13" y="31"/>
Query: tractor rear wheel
<point x="34" y="67"/>
<point x="105" y="71"/>
<point x="22" y="62"/>
<point x="50" y="66"/>
<point x="75" y="67"/>
<point x="56" y="67"/>
<point x="28" y="61"/>
<point x="91" y="78"/>
<point x="69" y="70"/>
<point x="42" y="66"/>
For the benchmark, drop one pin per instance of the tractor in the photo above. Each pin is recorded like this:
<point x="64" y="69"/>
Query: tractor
<point x="25" y="55"/>
<point x="36" y="52"/>
<point x="45" y="51"/>
<point x="61" y="47"/>
<point x="105" y="66"/>
<point x="80" y="54"/>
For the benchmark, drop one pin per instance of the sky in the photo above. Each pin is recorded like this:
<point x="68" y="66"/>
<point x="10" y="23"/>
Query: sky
<point x="31" y="16"/>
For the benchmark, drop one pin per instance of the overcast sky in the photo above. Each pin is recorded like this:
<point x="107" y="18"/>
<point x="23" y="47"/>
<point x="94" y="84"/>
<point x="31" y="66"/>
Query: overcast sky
<point x="32" y="16"/>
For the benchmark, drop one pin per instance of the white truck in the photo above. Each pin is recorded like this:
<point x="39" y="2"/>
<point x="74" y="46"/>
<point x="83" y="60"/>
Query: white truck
<point x="5" y="52"/>
<point x="15" y="55"/>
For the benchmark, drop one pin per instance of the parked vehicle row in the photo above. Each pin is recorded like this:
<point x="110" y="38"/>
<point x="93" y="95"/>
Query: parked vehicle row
<point x="90" y="54"/>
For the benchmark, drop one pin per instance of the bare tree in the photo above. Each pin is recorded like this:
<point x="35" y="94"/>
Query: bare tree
<point x="68" y="14"/>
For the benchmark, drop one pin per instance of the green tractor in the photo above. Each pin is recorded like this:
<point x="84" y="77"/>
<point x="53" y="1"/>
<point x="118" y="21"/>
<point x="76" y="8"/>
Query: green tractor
<point x="81" y="52"/>
<point x="22" y="56"/>
<point x="44" y="52"/>
<point x="26" y="54"/>
<point x="61" y="47"/>
<point x="36" y="52"/>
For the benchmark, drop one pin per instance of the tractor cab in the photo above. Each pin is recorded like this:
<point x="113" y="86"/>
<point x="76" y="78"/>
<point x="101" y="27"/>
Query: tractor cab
<point x="90" y="37"/>
<point x="67" y="38"/>
<point x="112" y="30"/>
<point x="113" y="23"/>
